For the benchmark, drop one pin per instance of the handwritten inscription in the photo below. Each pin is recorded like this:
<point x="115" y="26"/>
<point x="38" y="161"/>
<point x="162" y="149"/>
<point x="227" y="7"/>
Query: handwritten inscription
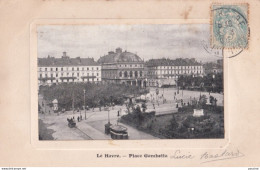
<point x="210" y="157"/>
<point x="179" y="154"/>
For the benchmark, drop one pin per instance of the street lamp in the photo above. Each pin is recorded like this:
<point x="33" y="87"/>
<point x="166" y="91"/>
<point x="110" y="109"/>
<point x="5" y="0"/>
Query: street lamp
<point x="108" y="116"/>
<point x="85" y="103"/>
<point x="213" y="77"/>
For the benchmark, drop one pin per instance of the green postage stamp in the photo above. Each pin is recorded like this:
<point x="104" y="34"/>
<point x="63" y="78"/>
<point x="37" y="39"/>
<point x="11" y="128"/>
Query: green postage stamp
<point x="229" y="26"/>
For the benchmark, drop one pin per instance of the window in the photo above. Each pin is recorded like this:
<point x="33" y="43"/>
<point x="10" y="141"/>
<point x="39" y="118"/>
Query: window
<point x="97" y="68"/>
<point x="97" y="79"/>
<point x="56" y="69"/>
<point x="77" y="69"/>
<point x="87" y="68"/>
<point x="97" y="74"/>
<point x="131" y="74"/>
<point x="51" y="75"/>
<point x="120" y="74"/>
<point x="45" y="69"/>
<point x="92" y="73"/>
<point x="61" y="68"/>
<point x="125" y="74"/>
<point x="141" y="73"/>
<point x="82" y="68"/>
<point x="40" y="75"/>
<point x="78" y="74"/>
<point x="136" y="74"/>
<point x="46" y="75"/>
<point x="72" y="68"/>
<point x="40" y="69"/>
<point x="92" y="68"/>
<point x="56" y="75"/>
<point x="51" y="69"/>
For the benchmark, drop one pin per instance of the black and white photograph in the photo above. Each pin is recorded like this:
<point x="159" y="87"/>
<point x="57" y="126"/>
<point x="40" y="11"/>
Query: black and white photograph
<point x="129" y="82"/>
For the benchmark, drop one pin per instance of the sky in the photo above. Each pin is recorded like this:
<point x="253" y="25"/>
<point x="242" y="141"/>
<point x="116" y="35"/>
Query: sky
<point x="147" y="41"/>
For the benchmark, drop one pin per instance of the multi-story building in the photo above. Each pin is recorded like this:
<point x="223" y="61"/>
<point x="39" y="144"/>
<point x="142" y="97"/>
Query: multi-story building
<point x="166" y="71"/>
<point x="123" y="67"/>
<point x="214" y="67"/>
<point x="65" y="69"/>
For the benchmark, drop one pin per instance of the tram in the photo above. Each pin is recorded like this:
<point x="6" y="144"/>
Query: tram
<point x="118" y="132"/>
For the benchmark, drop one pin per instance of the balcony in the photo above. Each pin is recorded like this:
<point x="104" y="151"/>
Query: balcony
<point x="62" y="78"/>
<point x="88" y="77"/>
<point x="46" y="78"/>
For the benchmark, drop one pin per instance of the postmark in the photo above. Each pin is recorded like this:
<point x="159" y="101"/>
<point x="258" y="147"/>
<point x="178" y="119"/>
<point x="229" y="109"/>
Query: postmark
<point x="229" y="26"/>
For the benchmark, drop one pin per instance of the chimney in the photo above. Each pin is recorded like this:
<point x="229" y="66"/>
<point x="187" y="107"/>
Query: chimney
<point x="119" y="50"/>
<point x="111" y="52"/>
<point x="64" y="54"/>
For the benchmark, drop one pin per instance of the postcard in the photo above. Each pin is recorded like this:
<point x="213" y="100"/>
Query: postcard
<point x="90" y="84"/>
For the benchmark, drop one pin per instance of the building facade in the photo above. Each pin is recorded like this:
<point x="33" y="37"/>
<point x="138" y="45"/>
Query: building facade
<point x="166" y="72"/>
<point x="214" y="67"/>
<point x="123" y="67"/>
<point x="65" y="70"/>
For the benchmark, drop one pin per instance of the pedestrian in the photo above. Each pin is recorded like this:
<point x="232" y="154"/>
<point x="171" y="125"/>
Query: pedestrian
<point x="78" y="118"/>
<point x="177" y="105"/>
<point x="73" y="117"/>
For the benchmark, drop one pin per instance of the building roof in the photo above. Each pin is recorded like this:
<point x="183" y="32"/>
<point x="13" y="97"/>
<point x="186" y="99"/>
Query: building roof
<point x="170" y="62"/>
<point x="66" y="61"/>
<point x="212" y="65"/>
<point x="119" y="56"/>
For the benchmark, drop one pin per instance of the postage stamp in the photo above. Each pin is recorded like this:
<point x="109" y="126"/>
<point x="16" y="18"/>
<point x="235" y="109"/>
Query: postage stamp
<point x="229" y="26"/>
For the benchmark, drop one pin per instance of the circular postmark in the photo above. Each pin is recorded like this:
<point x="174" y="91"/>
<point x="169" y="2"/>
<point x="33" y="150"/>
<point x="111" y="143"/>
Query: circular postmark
<point x="230" y="27"/>
<point x="230" y="30"/>
<point x="215" y="52"/>
<point x="220" y="52"/>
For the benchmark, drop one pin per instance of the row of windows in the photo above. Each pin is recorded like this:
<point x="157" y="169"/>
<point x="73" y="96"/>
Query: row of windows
<point x="74" y="80"/>
<point x="130" y="74"/>
<point x="174" y="72"/>
<point x="67" y="68"/>
<point x="57" y="75"/>
<point x="130" y="65"/>
<point x="178" y="67"/>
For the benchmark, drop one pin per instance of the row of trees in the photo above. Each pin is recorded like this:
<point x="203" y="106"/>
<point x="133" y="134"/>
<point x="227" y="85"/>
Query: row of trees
<point x="210" y="83"/>
<point x="97" y="95"/>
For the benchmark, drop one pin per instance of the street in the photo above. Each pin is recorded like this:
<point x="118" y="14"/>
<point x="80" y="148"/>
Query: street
<point x="94" y="125"/>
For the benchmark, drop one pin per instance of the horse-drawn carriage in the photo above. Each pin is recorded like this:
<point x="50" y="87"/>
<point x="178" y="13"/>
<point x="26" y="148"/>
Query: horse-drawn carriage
<point x="71" y="123"/>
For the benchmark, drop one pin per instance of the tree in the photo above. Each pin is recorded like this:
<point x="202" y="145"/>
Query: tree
<point x="144" y="107"/>
<point x="173" y="123"/>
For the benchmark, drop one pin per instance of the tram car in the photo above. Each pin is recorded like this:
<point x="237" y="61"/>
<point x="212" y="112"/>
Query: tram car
<point x="118" y="132"/>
